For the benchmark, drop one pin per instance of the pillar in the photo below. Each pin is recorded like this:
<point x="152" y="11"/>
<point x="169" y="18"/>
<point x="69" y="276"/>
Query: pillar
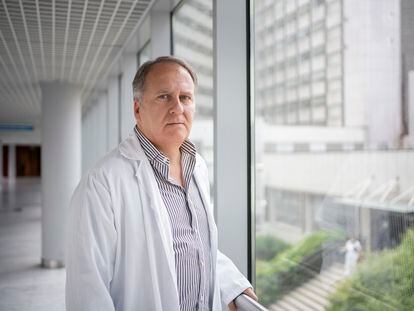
<point x="231" y="177"/>
<point x="12" y="164"/>
<point x="11" y="178"/>
<point x="61" y="164"/>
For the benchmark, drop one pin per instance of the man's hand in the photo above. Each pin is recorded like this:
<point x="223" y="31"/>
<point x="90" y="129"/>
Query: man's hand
<point x="249" y="292"/>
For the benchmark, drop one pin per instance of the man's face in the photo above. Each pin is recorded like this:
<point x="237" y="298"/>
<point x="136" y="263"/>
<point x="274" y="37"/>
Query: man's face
<point x="166" y="108"/>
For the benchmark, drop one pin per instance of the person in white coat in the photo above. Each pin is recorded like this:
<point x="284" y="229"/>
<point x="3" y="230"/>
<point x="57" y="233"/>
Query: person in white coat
<point x="352" y="250"/>
<point x="129" y="245"/>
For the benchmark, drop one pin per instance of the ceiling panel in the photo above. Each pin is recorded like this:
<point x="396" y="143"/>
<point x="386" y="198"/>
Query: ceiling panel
<point x="58" y="40"/>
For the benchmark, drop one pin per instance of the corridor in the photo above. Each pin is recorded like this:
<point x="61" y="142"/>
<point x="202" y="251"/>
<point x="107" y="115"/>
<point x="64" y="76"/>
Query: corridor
<point x="24" y="285"/>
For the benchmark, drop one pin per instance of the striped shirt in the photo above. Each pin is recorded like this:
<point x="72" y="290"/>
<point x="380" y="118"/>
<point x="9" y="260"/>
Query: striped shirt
<point x="190" y="232"/>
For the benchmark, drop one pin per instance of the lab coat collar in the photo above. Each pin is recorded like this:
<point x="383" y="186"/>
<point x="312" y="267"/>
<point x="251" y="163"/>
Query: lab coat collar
<point x="131" y="149"/>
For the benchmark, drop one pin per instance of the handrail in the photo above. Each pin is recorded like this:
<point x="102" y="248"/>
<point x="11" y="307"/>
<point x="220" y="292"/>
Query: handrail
<point x="245" y="303"/>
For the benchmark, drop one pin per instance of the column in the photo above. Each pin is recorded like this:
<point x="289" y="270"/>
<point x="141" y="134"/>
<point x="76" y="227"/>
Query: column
<point x="11" y="178"/>
<point x="231" y="145"/>
<point x="61" y="164"/>
<point x="12" y="164"/>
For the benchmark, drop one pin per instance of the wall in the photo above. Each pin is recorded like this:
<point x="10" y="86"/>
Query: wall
<point x="373" y="69"/>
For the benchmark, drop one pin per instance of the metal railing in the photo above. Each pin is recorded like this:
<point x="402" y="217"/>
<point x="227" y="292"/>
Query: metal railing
<point x="245" y="303"/>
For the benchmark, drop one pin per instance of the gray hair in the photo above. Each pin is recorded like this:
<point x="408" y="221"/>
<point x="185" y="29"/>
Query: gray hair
<point x="138" y="83"/>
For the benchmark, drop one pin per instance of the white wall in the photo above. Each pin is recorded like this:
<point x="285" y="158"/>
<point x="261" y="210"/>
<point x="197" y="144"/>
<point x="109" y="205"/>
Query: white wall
<point x="22" y="138"/>
<point x="373" y="68"/>
<point x="335" y="173"/>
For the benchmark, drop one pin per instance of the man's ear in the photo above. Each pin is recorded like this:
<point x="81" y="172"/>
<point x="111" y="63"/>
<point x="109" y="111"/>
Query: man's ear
<point x="136" y="107"/>
<point x="137" y="111"/>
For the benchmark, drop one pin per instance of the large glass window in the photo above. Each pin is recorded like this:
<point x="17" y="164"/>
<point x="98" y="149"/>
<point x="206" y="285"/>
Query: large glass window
<point x="144" y="54"/>
<point x="333" y="144"/>
<point x="192" y="37"/>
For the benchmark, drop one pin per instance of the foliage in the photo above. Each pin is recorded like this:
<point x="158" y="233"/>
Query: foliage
<point x="290" y="268"/>
<point x="268" y="246"/>
<point x="384" y="281"/>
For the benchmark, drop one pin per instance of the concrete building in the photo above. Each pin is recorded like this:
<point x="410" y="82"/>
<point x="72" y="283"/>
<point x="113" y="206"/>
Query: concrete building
<point x="329" y="151"/>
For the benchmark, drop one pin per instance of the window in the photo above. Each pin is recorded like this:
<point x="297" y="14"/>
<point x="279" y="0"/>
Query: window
<point x="334" y="175"/>
<point x="144" y="54"/>
<point x="192" y="37"/>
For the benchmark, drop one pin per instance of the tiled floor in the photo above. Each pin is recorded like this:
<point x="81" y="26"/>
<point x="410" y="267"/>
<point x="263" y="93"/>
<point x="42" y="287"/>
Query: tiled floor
<point x="24" y="285"/>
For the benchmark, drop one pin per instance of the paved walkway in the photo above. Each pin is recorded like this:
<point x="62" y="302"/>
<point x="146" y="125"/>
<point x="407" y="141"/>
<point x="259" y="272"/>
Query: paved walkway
<point x="24" y="285"/>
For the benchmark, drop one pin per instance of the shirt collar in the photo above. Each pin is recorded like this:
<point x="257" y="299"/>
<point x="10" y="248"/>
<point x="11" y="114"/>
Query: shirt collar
<point x="152" y="153"/>
<point x="187" y="149"/>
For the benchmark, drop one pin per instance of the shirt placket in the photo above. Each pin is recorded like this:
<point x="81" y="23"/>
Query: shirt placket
<point x="200" y="251"/>
<point x="195" y="228"/>
<point x="161" y="164"/>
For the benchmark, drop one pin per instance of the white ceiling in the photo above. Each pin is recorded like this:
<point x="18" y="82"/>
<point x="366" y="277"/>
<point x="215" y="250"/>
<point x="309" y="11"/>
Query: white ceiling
<point x="73" y="41"/>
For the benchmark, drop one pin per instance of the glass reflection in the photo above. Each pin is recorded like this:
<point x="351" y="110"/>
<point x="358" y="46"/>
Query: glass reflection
<point x="192" y="34"/>
<point x="334" y="142"/>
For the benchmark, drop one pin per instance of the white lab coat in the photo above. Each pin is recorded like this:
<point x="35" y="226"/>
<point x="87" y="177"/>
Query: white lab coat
<point x="119" y="242"/>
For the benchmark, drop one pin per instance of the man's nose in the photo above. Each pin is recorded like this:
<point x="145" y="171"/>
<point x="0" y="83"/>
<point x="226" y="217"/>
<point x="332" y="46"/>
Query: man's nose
<point x="177" y="105"/>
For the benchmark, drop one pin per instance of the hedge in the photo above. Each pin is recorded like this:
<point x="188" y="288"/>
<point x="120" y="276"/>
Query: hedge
<point x="268" y="246"/>
<point x="290" y="268"/>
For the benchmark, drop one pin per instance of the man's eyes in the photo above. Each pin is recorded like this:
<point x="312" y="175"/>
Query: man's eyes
<point x="183" y="98"/>
<point x="163" y="97"/>
<point x="186" y="98"/>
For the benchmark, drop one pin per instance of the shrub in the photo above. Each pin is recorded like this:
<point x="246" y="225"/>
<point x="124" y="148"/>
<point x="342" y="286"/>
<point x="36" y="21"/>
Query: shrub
<point x="384" y="281"/>
<point x="290" y="268"/>
<point x="268" y="246"/>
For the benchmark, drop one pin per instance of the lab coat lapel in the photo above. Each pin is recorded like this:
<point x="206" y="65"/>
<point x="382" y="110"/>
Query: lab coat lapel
<point x="201" y="184"/>
<point x="152" y="204"/>
<point x="153" y="207"/>
<point x="200" y="179"/>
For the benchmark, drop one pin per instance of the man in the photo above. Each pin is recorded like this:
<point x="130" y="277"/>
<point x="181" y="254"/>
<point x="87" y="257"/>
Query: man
<point x="141" y="233"/>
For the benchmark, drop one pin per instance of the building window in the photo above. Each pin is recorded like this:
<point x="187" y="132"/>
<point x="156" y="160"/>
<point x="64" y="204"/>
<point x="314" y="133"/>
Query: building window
<point x="333" y="160"/>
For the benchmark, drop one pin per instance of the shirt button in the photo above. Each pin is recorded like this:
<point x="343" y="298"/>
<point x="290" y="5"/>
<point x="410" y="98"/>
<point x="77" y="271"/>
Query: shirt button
<point x="202" y="263"/>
